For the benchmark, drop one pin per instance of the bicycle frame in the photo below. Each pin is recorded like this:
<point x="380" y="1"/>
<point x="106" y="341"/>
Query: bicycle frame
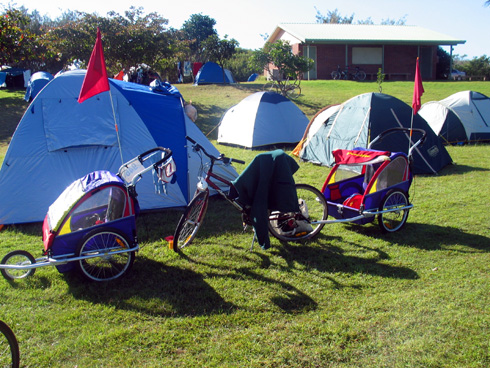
<point x="211" y="175"/>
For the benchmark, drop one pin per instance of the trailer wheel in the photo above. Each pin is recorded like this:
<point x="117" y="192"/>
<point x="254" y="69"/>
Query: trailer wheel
<point x="17" y="258"/>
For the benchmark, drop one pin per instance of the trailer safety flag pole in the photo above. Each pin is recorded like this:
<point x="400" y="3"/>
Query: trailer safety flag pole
<point x="418" y="91"/>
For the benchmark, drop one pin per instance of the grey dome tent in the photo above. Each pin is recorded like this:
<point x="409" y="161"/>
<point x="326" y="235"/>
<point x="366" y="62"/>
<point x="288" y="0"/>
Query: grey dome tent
<point x="358" y="121"/>
<point x="463" y="117"/>
<point x="262" y="119"/>
<point x="59" y="140"/>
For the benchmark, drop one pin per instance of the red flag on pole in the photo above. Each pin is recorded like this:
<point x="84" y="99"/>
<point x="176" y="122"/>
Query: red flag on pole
<point x="120" y="75"/>
<point x="418" y="90"/>
<point x="95" y="80"/>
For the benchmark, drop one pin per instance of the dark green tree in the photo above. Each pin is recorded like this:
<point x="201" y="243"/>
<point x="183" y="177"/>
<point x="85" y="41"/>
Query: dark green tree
<point x="197" y="29"/>
<point x="219" y="50"/>
<point x="239" y="65"/>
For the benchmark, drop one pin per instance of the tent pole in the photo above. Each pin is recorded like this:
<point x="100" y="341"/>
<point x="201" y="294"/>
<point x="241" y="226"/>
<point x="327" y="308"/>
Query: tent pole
<point x="117" y="128"/>
<point x="120" y="148"/>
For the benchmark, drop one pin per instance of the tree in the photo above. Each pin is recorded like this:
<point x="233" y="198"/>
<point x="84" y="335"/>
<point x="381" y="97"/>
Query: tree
<point x="443" y="63"/>
<point x="239" y="65"/>
<point x="16" y="41"/>
<point x="129" y="40"/>
<point x="279" y="56"/>
<point x="197" y="29"/>
<point x="219" y="50"/>
<point x="333" y="17"/>
<point x="477" y="66"/>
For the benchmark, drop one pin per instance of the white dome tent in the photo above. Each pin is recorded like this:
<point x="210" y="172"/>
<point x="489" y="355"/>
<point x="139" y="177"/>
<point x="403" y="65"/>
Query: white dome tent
<point x="262" y="119"/>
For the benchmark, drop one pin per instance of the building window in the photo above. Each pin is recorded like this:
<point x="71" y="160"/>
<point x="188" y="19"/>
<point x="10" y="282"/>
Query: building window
<point x="367" y="55"/>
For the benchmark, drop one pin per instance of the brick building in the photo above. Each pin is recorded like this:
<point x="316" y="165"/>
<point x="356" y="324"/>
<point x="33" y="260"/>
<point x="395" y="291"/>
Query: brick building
<point x="394" y="49"/>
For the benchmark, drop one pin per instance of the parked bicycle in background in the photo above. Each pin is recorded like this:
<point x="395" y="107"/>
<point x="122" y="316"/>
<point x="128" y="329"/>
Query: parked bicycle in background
<point x="358" y="74"/>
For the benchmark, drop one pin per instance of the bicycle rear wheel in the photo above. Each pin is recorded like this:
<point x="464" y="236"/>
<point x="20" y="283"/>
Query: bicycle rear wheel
<point x="191" y="221"/>
<point x="293" y="92"/>
<point x="303" y="225"/>
<point x="269" y="87"/>
<point x="9" y="347"/>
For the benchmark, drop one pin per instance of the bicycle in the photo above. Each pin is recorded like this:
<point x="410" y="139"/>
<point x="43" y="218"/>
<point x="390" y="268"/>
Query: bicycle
<point x="9" y="347"/>
<point x="291" y="90"/>
<point x="296" y="226"/>
<point x="357" y="75"/>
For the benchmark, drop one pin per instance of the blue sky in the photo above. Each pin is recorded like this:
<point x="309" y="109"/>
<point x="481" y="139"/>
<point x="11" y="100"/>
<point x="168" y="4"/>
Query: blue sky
<point x="247" y="20"/>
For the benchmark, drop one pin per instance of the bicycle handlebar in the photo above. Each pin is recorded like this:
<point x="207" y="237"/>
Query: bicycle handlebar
<point x="221" y="157"/>
<point x="145" y="155"/>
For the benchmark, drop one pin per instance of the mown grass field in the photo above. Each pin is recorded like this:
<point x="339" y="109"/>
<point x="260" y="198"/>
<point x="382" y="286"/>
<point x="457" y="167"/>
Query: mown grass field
<point x="350" y="298"/>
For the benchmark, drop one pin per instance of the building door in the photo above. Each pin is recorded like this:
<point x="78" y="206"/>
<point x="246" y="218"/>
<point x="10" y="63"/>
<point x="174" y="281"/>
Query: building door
<point x="425" y="62"/>
<point x="310" y="52"/>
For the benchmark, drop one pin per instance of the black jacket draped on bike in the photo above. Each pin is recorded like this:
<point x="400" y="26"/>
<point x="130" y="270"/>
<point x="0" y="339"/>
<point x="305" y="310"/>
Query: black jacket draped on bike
<point x="267" y="184"/>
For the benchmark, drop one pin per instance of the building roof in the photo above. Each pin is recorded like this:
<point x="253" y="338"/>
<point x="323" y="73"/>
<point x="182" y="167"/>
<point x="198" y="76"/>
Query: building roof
<point x="360" y="33"/>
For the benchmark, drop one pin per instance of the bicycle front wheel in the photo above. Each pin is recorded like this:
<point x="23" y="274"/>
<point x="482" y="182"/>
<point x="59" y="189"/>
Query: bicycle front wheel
<point x="9" y="347"/>
<point x="361" y="75"/>
<point x="304" y="225"/>
<point x="335" y="75"/>
<point x="191" y="221"/>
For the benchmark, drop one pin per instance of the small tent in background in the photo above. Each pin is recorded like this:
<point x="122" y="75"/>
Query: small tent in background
<point x="36" y="83"/>
<point x="14" y="77"/>
<point x="262" y="119"/>
<point x="463" y="117"/>
<point x="252" y="77"/>
<point x="212" y="73"/>
<point x="358" y="121"/>
<point x="59" y="140"/>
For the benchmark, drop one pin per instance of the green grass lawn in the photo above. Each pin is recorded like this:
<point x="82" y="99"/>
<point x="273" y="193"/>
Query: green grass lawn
<point x="352" y="297"/>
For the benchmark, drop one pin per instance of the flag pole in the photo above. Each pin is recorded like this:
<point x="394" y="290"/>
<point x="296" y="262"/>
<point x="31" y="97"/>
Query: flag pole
<point x="97" y="81"/>
<point x="418" y="91"/>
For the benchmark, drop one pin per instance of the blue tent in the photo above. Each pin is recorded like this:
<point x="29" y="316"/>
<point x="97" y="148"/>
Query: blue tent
<point x="36" y="83"/>
<point x="252" y="77"/>
<point x="212" y="73"/>
<point x="59" y="140"/>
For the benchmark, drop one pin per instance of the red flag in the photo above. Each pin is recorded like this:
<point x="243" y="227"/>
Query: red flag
<point x="95" y="80"/>
<point x="418" y="90"/>
<point x="120" y="75"/>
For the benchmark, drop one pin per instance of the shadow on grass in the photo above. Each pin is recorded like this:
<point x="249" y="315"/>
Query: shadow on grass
<point x="456" y="169"/>
<point x="334" y="260"/>
<point x="155" y="289"/>
<point x="427" y="237"/>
